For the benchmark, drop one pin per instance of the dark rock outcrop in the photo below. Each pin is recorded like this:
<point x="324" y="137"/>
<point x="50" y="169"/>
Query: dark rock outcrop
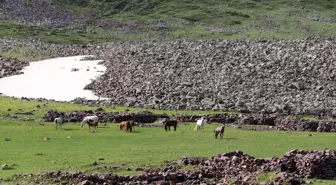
<point x="77" y="116"/>
<point x="294" y="167"/>
<point x="11" y="66"/>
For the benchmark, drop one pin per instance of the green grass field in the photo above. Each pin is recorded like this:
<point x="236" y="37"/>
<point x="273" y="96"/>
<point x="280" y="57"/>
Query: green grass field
<point x="27" y="152"/>
<point x="21" y="106"/>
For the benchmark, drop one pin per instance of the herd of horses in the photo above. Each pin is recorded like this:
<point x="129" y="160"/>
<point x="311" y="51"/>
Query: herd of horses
<point x="128" y="126"/>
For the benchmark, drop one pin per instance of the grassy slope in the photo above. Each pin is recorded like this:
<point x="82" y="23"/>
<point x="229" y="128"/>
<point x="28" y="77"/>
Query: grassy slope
<point x="29" y="153"/>
<point x="247" y="15"/>
<point x="26" y="106"/>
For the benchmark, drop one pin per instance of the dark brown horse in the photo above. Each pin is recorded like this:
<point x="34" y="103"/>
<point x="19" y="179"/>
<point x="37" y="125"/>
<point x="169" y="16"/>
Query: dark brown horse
<point x="219" y="130"/>
<point x="169" y="123"/>
<point x="93" y="124"/>
<point x="127" y="125"/>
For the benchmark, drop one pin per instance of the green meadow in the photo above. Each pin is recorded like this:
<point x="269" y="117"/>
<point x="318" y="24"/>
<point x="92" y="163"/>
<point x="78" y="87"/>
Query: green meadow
<point x="76" y="149"/>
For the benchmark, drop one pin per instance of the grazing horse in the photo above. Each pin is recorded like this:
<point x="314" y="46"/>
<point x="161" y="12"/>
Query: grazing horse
<point x="92" y="121"/>
<point x="219" y="130"/>
<point x="58" y="122"/>
<point x="127" y="125"/>
<point x="200" y="124"/>
<point x="169" y="123"/>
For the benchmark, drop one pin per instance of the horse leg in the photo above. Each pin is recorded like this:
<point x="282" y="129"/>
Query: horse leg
<point x="131" y="129"/>
<point x="175" y="127"/>
<point x="165" y="128"/>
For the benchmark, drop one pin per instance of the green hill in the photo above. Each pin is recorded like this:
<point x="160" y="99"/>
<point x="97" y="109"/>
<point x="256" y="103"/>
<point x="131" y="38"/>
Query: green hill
<point x="106" y="20"/>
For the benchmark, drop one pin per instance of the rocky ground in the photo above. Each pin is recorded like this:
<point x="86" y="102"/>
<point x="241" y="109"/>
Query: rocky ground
<point x="39" y="12"/>
<point x="11" y="66"/>
<point x="251" y="121"/>
<point x="295" y="167"/>
<point x="288" y="76"/>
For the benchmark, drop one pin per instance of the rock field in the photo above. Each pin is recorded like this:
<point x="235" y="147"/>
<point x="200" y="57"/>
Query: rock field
<point x="268" y="76"/>
<point x="39" y="12"/>
<point x="11" y="66"/>
<point x="295" y="167"/>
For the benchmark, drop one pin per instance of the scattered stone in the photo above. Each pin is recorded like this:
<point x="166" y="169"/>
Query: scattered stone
<point x="7" y="139"/>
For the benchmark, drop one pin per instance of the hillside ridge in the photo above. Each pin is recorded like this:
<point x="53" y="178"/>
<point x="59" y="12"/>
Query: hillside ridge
<point x="84" y="21"/>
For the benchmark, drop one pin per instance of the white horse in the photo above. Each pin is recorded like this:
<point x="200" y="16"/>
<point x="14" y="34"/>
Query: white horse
<point x="58" y="122"/>
<point x="92" y="121"/>
<point x="200" y="124"/>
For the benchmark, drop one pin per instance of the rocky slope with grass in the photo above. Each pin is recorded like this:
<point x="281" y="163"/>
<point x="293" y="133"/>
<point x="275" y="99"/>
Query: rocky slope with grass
<point x="11" y="66"/>
<point x="295" y="167"/>
<point x="39" y="12"/>
<point x="83" y="21"/>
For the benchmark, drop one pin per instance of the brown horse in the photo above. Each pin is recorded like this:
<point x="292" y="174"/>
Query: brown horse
<point x="219" y="130"/>
<point x="127" y="125"/>
<point x="169" y="123"/>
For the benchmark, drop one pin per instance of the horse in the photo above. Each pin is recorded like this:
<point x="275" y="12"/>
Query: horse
<point x="58" y="122"/>
<point x="92" y="121"/>
<point x="169" y="123"/>
<point x="219" y="130"/>
<point x="127" y="125"/>
<point x="200" y="124"/>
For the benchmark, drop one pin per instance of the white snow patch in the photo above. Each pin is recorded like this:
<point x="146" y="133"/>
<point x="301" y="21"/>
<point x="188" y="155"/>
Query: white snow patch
<point x="53" y="79"/>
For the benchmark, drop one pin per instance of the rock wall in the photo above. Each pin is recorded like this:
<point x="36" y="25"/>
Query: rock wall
<point x="276" y="121"/>
<point x="11" y="66"/>
<point x="294" y="168"/>
<point x="296" y="124"/>
<point x="77" y="116"/>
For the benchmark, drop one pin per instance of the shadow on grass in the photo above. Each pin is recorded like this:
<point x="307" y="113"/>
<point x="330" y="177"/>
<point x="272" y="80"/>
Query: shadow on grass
<point x="230" y="138"/>
<point x="69" y="129"/>
<point x="9" y="168"/>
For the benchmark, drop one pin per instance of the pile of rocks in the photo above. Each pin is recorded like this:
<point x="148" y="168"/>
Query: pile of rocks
<point x="39" y="12"/>
<point x="276" y="121"/>
<point x="296" y="124"/>
<point x="11" y="66"/>
<point x="254" y="75"/>
<point x="291" y="76"/>
<point x="295" y="168"/>
<point x="220" y="118"/>
<point x="116" y="117"/>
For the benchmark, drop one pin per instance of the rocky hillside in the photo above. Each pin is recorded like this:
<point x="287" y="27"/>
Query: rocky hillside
<point x="38" y="12"/>
<point x="256" y="75"/>
<point x="252" y="75"/>
<point x="92" y="21"/>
